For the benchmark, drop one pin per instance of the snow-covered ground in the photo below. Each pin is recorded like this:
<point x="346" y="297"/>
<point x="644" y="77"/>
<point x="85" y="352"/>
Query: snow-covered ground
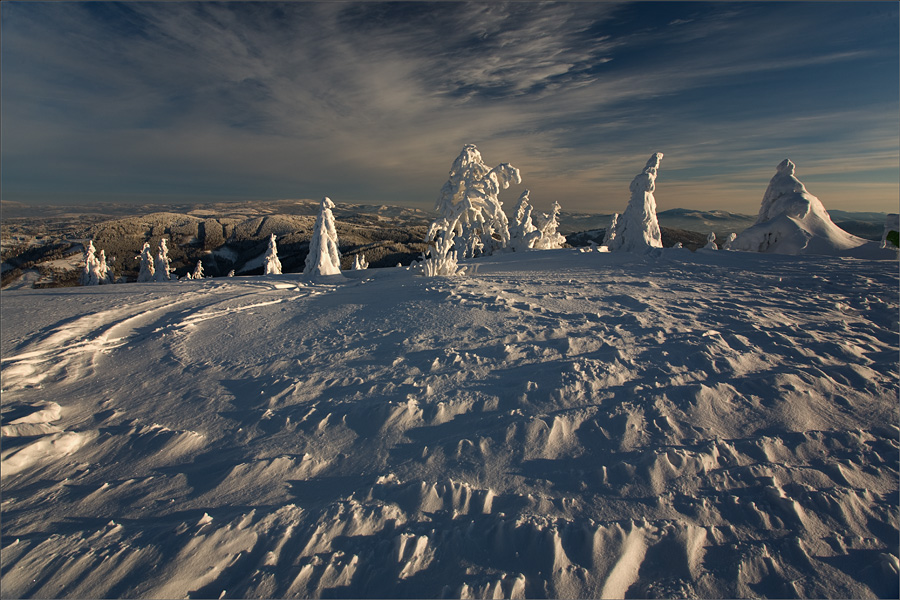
<point x="558" y="423"/>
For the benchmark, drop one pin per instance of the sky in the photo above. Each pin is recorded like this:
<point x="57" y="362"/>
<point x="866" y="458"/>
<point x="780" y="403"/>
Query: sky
<point x="370" y="102"/>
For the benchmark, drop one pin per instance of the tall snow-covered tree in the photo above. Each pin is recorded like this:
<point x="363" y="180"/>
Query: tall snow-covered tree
<point x="711" y="242"/>
<point x="547" y="224"/>
<point x="638" y="228"/>
<point x="324" y="257"/>
<point x="90" y="274"/>
<point x="470" y="199"/>
<point x="198" y="270"/>
<point x="161" y="266"/>
<point x="270" y="261"/>
<point x="147" y="270"/>
<point x="522" y="232"/>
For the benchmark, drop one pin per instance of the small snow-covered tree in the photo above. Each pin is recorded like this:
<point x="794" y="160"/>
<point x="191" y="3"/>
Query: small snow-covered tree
<point x="198" y="271"/>
<point x="103" y="270"/>
<point x="610" y="234"/>
<point x="470" y="199"/>
<point x="441" y="259"/>
<point x="522" y="232"/>
<point x="270" y="261"/>
<point x="90" y="274"/>
<point x="638" y="228"/>
<point x="324" y="257"/>
<point x="360" y="263"/>
<point x="711" y="242"/>
<point x="161" y="265"/>
<point x="230" y="273"/>
<point x="728" y="241"/>
<point x="547" y="225"/>
<point x="147" y="270"/>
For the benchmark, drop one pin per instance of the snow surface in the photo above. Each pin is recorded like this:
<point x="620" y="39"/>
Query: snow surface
<point x="558" y="423"/>
<point x="793" y="221"/>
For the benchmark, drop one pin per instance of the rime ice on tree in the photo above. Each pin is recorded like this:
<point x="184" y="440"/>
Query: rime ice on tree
<point x="729" y="241"/>
<point x="793" y="221"/>
<point x="441" y="259"/>
<point x="90" y="275"/>
<point x="522" y="233"/>
<point x="161" y="264"/>
<point x="198" y="271"/>
<point x="638" y="228"/>
<point x="547" y="225"/>
<point x="711" y="242"/>
<point x="469" y="202"/>
<point x="270" y="261"/>
<point x="360" y="263"/>
<point x="147" y="270"/>
<point x="103" y="271"/>
<point x="610" y="234"/>
<point x="324" y="258"/>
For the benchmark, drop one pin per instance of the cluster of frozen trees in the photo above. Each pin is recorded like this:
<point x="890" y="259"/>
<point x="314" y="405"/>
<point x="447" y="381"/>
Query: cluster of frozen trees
<point x="96" y="271"/>
<point x="472" y="222"/>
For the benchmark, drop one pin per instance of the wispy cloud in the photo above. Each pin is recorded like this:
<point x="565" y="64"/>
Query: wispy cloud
<point x="372" y="101"/>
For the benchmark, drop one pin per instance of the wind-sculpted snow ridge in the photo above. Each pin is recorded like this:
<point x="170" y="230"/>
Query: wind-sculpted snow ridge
<point x="793" y="221"/>
<point x="555" y="424"/>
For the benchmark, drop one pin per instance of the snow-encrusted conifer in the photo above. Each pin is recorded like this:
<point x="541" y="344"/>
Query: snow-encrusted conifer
<point x="547" y="225"/>
<point x="198" y="271"/>
<point x="103" y="271"/>
<point x="270" y="261"/>
<point x="726" y="245"/>
<point x="610" y="233"/>
<point x="470" y="199"/>
<point x="324" y="257"/>
<point x="147" y="270"/>
<point x="522" y="232"/>
<point x="711" y="242"/>
<point x="360" y="263"/>
<point x="230" y="273"/>
<point x="638" y="228"/>
<point x="90" y="274"/>
<point x="161" y="265"/>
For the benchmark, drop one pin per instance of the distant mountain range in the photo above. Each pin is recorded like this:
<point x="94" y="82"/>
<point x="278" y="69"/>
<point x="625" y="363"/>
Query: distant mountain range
<point x="45" y="242"/>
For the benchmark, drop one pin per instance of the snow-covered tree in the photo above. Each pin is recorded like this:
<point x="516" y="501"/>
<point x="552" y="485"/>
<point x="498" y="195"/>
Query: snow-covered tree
<point x="726" y="245"/>
<point x="638" y="227"/>
<point x="90" y="274"/>
<point x="270" y="261"/>
<point x="360" y="263"/>
<point x="103" y="271"/>
<point x="711" y="242"/>
<point x="547" y="225"/>
<point x="678" y="245"/>
<point x="324" y="257"/>
<point x="610" y="234"/>
<point x="147" y="270"/>
<point x="522" y="232"/>
<point x="441" y="259"/>
<point x="198" y="271"/>
<point x="470" y="199"/>
<point x="230" y="273"/>
<point x="161" y="265"/>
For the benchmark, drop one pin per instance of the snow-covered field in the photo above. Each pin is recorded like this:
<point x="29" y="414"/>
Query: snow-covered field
<point x="557" y="423"/>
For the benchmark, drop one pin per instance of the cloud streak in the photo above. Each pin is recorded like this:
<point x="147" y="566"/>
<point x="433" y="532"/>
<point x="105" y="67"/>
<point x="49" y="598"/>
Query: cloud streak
<point x="370" y="102"/>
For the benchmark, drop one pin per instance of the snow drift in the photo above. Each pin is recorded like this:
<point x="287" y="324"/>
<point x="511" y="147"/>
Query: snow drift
<point x="557" y="424"/>
<point x="793" y="221"/>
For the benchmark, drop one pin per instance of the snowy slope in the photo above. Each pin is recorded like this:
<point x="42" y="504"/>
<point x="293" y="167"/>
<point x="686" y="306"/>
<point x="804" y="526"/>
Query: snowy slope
<point x="560" y="424"/>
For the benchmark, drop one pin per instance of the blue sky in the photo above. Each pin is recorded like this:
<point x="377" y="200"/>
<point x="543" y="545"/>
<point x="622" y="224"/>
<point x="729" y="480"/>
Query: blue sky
<point x="370" y="102"/>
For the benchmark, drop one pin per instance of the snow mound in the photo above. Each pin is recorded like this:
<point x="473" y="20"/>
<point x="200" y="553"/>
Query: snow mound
<point x="793" y="221"/>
